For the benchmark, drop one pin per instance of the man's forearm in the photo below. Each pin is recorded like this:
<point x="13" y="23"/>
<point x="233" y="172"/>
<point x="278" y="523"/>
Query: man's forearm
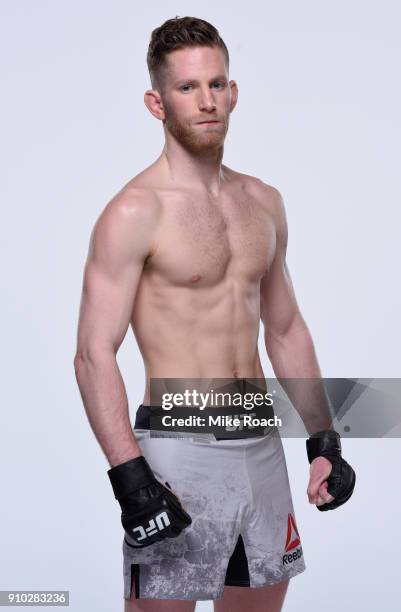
<point x="293" y="357"/>
<point x="105" y="399"/>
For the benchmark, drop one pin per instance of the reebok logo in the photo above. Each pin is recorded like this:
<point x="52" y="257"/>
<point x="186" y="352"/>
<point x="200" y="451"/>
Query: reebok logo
<point x="160" y="522"/>
<point x="292" y="542"/>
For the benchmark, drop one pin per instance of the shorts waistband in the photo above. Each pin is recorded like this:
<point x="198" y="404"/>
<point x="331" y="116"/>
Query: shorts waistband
<point x="146" y="419"/>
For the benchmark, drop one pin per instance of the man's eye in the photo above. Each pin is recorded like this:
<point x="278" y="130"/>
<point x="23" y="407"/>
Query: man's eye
<point x="219" y="84"/>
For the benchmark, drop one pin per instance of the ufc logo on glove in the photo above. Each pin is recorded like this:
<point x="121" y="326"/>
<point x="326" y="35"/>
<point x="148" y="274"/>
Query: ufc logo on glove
<point x="160" y="522"/>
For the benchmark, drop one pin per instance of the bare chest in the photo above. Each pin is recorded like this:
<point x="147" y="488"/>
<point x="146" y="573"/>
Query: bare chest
<point x="202" y="241"/>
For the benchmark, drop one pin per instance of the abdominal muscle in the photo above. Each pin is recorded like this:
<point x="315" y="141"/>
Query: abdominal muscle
<point x="198" y="332"/>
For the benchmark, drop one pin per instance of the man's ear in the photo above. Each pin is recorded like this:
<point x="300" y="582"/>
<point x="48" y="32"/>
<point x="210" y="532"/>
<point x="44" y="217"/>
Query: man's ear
<point x="234" y="95"/>
<point x="154" y="103"/>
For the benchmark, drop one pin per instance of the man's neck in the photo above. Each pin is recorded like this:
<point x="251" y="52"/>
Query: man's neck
<point x="201" y="171"/>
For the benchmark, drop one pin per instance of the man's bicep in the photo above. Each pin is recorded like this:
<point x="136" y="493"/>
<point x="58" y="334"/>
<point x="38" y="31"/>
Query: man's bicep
<point x="279" y="310"/>
<point x="106" y="306"/>
<point x="119" y="245"/>
<point x="278" y="306"/>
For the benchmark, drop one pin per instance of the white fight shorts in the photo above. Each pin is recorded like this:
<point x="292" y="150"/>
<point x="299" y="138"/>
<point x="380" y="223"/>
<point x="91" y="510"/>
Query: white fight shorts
<point x="243" y="530"/>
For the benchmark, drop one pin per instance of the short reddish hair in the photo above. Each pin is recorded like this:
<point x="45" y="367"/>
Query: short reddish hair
<point x="178" y="33"/>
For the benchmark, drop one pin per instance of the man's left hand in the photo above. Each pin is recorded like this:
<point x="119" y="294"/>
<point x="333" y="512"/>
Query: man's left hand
<point x="317" y="488"/>
<point x="332" y="479"/>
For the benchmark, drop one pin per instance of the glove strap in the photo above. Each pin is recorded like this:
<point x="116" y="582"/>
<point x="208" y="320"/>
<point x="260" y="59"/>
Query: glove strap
<point x="323" y="444"/>
<point x="130" y="476"/>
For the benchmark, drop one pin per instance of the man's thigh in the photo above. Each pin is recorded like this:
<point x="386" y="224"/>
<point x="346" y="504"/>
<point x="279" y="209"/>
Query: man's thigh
<point x="158" y="605"/>
<point x="192" y="566"/>
<point x="260" y="599"/>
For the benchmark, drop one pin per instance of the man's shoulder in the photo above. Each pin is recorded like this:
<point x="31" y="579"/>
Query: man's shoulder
<point x="131" y="212"/>
<point x="265" y="194"/>
<point x="133" y="203"/>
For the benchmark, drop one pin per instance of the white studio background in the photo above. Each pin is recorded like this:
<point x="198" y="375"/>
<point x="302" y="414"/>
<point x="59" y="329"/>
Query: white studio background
<point x="318" y="118"/>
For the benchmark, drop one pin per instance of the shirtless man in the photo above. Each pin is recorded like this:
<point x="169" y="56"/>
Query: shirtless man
<point x="192" y="254"/>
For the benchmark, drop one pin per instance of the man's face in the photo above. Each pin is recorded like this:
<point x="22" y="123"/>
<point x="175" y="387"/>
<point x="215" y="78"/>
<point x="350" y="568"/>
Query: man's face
<point x="196" y="89"/>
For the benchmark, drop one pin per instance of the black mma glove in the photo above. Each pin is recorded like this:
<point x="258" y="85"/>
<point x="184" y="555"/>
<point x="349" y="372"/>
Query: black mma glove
<point x="150" y="512"/>
<point x="341" y="481"/>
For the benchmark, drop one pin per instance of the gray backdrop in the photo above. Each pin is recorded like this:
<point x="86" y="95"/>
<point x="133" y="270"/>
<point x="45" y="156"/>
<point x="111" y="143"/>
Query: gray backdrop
<point x="317" y="117"/>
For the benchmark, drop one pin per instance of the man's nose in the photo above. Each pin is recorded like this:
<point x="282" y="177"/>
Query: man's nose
<point x="206" y="101"/>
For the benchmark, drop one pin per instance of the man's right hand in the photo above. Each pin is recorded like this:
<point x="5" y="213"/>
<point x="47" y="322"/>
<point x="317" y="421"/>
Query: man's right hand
<point x="150" y="511"/>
